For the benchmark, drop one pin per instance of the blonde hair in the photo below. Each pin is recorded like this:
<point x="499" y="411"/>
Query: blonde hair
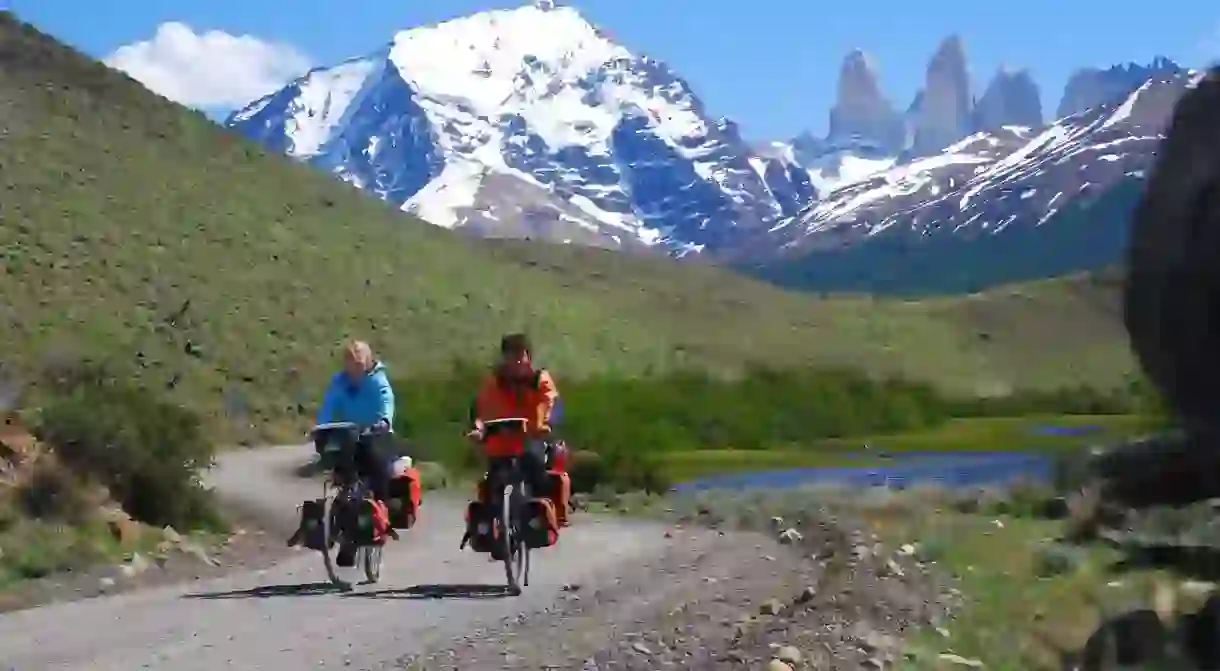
<point x="359" y="352"/>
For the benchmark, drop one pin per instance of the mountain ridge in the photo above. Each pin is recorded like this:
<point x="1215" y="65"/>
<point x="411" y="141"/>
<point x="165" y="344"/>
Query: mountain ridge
<point x="1061" y="198"/>
<point x="572" y="117"/>
<point x="475" y="126"/>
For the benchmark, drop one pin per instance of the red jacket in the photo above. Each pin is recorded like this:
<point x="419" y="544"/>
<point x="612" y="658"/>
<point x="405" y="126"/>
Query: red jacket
<point x="532" y="400"/>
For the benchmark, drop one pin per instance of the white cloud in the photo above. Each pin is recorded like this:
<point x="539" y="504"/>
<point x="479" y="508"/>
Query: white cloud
<point x="208" y="70"/>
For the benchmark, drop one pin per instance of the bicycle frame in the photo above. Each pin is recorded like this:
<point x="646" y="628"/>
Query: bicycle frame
<point x="502" y="472"/>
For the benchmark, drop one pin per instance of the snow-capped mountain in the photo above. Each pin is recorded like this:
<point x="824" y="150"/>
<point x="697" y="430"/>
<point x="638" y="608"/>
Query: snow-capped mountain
<point x="988" y="181"/>
<point x="1015" y="183"/>
<point x="532" y="122"/>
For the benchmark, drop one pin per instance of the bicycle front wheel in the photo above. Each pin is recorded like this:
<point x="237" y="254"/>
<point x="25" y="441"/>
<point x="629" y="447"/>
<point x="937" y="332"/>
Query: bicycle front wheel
<point x="513" y="547"/>
<point x="330" y="533"/>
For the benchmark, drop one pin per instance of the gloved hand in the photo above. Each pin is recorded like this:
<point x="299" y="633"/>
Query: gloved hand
<point x="477" y="433"/>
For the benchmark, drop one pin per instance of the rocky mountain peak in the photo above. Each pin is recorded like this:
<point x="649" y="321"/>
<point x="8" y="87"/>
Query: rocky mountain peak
<point x="1010" y="99"/>
<point x="941" y="114"/>
<point x="861" y="111"/>
<point x="1090" y="87"/>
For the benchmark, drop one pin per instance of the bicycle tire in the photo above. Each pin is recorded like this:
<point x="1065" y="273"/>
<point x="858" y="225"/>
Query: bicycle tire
<point x="328" y="530"/>
<point x="511" y="541"/>
<point x="525" y="547"/>
<point x="371" y="558"/>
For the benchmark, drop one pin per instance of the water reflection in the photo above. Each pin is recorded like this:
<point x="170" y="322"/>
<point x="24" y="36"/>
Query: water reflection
<point x="954" y="470"/>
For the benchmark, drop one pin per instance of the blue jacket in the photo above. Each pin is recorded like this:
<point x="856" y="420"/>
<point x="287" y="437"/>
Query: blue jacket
<point x="364" y="403"/>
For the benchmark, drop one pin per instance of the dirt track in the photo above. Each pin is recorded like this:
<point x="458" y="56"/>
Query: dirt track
<point x="613" y="594"/>
<point x="285" y="617"/>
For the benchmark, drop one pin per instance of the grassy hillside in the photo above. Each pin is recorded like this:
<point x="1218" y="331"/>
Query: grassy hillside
<point x="135" y="229"/>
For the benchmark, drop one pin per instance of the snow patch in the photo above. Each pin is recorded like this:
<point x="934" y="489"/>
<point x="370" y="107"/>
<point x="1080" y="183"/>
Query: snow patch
<point x="321" y="108"/>
<point x="455" y="188"/>
<point x="1124" y="110"/>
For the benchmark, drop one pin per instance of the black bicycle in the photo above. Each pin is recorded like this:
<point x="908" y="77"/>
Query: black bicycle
<point x="508" y="491"/>
<point x="342" y="493"/>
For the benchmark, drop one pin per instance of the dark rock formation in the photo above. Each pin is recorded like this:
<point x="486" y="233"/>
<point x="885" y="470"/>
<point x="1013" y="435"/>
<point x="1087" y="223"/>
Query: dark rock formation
<point x="1011" y="99"/>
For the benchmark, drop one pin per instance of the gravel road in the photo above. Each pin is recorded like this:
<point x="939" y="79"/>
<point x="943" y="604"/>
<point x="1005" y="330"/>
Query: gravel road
<point x="286" y="617"/>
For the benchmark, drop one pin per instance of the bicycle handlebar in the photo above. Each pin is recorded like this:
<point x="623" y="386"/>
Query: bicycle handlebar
<point x="490" y="427"/>
<point x="333" y="426"/>
<point x="505" y="420"/>
<point x="344" y="426"/>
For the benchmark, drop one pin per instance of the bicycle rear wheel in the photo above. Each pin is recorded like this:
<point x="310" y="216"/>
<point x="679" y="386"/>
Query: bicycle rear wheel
<point x="370" y="558"/>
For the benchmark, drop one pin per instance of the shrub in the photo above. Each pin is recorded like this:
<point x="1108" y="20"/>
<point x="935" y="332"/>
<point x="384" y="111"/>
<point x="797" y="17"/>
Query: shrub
<point x="588" y="471"/>
<point x="639" y="472"/>
<point x="432" y="475"/>
<point x="145" y="450"/>
<point x="625" y="421"/>
<point x="1053" y="560"/>
<point x="53" y="492"/>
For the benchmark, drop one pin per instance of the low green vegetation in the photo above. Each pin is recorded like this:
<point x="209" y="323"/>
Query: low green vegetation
<point x="650" y="432"/>
<point x="1046" y="434"/>
<point x="1032" y="433"/>
<point x="36" y="549"/>
<point x="145" y="451"/>
<point x="106" y="458"/>
<point x="1031" y="602"/>
<point x="139" y="232"/>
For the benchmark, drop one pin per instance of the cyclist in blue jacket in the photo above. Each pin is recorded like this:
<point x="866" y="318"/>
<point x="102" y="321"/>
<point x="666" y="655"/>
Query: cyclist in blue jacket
<point x="361" y="394"/>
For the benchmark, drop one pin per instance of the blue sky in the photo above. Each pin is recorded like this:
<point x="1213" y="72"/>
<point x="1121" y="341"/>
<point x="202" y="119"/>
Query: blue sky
<point x="769" y="64"/>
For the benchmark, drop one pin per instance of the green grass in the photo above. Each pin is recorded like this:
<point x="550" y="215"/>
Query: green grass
<point x="38" y="548"/>
<point x="140" y="231"/>
<point x="1022" y="610"/>
<point x="1003" y="434"/>
<point x="999" y="434"/>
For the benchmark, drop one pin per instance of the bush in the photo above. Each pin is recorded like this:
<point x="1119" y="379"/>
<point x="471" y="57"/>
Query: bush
<point x="1055" y="560"/>
<point x="53" y="492"/>
<point x="621" y="423"/>
<point x="588" y="471"/>
<point x="639" y="472"/>
<point x="145" y="450"/>
<point x="432" y="475"/>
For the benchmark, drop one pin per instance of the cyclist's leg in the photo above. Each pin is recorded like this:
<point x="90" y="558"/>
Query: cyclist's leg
<point x="533" y="463"/>
<point x="373" y="464"/>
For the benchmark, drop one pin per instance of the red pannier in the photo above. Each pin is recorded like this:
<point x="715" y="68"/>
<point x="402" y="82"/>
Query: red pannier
<point x="541" y="525"/>
<point x="480" y="530"/>
<point x="365" y="523"/>
<point x="559" y="490"/>
<point x="404" y="495"/>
